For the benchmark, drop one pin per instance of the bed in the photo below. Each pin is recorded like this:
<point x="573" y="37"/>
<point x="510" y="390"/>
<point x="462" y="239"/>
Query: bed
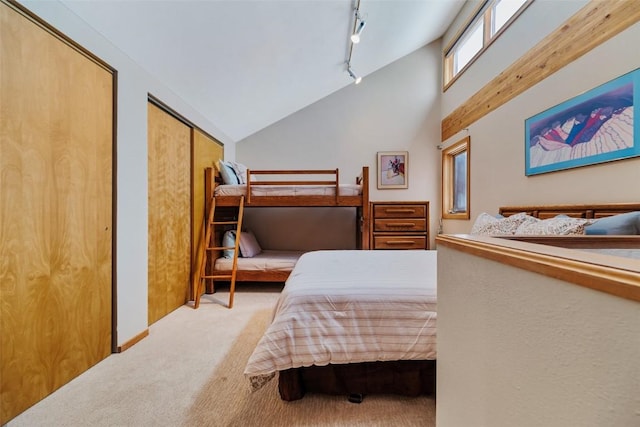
<point x="352" y="322"/>
<point x="280" y="188"/>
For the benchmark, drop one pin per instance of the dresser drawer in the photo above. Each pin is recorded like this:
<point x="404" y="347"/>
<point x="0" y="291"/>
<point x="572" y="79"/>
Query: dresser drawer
<point x="399" y="242"/>
<point x="399" y="211"/>
<point x="400" y="224"/>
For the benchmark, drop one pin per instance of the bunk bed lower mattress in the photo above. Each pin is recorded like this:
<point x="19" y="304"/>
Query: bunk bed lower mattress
<point x="289" y="190"/>
<point x="266" y="261"/>
<point x="340" y="312"/>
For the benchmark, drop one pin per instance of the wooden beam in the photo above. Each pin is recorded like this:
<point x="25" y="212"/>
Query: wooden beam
<point x="591" y="26"/>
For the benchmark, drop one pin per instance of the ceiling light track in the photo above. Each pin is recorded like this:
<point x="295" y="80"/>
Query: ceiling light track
<point x="358" y="25"/>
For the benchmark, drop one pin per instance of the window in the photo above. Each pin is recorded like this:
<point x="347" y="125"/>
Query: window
<point x="489" y="21"/>
<point x="456" y="167"/>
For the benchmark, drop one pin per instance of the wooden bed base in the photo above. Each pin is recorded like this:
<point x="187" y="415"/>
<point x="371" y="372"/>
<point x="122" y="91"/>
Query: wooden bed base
<point x="402" y="377"/>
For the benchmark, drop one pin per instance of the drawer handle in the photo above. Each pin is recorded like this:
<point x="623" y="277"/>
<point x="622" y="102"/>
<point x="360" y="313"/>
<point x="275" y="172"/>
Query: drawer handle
<point x="400" y="224"/>
<point x="399" y="242"/>
<point x="400" y="210"/>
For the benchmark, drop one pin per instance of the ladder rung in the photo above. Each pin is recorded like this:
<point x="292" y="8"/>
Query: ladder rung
<point x="226" y="276"/>
<point x="224" y="222"/>
<point x="221" y="248"/>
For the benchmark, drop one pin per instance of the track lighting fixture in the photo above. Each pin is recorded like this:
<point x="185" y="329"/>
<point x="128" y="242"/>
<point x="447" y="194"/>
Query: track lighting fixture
<point x="355" y="37"/>
<point x="356" y="78"/>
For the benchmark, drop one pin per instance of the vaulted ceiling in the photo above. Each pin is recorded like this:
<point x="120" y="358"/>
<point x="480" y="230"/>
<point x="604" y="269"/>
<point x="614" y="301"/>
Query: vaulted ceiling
<point x="245" y="64"/>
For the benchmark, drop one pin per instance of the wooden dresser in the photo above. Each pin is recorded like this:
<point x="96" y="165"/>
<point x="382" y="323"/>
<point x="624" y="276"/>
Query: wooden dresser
<point x="399" y="225"/>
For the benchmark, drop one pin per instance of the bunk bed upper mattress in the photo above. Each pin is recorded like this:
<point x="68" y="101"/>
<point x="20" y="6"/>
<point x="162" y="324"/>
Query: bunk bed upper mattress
<point x="289" y="190"/>
<point x="350" y="306"/>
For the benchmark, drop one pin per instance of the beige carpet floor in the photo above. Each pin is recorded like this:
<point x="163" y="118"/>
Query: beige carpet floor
<point x="189" y="372"/>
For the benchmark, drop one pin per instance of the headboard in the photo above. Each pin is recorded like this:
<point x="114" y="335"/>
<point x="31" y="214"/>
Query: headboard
<point x="591" y="211"/>
<point x="575" y="211"/>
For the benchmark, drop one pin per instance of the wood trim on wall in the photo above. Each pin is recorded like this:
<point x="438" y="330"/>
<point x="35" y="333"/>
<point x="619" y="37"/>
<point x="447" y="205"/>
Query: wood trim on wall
<point x="133" y="341"/>
<point x="591" y="26"/>
<point x="619" y="280"/>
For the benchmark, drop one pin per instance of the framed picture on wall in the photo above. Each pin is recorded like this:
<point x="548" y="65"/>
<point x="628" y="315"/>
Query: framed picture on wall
<point x="393" y="169"/>
<point x="595" y="127"/>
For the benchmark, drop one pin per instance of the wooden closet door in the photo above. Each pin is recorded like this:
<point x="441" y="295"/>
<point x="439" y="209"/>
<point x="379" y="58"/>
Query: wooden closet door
<point x="206" y="151"/>
<point x="56" y="140"/>
<point x="169" y="144"/>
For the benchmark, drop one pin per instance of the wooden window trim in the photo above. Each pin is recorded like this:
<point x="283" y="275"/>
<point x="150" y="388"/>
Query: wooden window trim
<point x="484" y="12"/>
<point x="448" y="155"/>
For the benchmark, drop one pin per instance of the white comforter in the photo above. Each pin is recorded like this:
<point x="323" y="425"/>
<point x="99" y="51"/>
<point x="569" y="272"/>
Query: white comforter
<point x="349" y="307"/>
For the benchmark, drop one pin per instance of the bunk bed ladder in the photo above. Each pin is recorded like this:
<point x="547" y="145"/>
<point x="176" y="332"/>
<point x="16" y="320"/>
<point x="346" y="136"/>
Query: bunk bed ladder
<point x="210" y="247"/>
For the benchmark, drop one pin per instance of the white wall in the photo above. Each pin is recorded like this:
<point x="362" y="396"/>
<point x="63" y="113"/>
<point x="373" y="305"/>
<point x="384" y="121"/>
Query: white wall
<point x="134" y="84"/>
<point x="497" y="140"/>
<point x="516" y="348"/>
<point x="394" y="109"/>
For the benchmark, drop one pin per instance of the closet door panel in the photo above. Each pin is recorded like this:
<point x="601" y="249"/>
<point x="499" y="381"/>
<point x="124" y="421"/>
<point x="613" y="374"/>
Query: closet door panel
<point x="56" y="141"/>
<point x="206" y="151"/>
<point x="169" y="142"/>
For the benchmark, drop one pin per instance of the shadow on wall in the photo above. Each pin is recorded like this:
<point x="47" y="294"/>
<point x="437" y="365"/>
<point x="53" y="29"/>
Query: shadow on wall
<point x="302" y="228"/>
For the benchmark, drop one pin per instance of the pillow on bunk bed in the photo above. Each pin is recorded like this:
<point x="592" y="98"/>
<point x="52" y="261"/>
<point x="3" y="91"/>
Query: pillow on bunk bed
<point x="249" y="246"/>
<point x="226" y="172"/>
<point x="621" y="224"/>
<point x="228" y="240"/>
<point x="240" y="171"/>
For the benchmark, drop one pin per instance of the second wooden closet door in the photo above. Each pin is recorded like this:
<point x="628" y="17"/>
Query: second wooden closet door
<point x="169" y="144"/>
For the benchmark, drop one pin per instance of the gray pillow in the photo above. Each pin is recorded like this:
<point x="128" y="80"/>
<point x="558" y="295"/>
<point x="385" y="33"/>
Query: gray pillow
<point x="622" y="224"/>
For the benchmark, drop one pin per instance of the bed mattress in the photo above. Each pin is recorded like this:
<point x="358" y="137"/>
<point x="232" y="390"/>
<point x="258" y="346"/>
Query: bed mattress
<point x="288" y="190"/>
<point x="350" y="306"/>
<point x="267" y="260"/>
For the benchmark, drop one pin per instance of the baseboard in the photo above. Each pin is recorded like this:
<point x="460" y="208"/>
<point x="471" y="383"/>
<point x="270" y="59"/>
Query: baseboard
<point x="133" y="341"/>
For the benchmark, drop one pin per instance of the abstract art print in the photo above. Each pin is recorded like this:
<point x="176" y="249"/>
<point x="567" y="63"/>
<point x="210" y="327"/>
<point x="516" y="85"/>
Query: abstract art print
<point x="393" y="167"/>
<point x="595" y="127"/>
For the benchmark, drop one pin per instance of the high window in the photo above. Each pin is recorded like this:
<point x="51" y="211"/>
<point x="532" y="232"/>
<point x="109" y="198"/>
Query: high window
<point x="456" y="167"/>
<point x="489" y="21"/>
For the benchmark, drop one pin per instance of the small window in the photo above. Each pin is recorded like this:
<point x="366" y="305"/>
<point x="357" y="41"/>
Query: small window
<point x="486" y="24"/>
<point x="456" y="168"/>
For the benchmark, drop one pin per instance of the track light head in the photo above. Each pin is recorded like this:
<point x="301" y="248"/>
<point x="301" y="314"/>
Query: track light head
<point x="355" y="37"/>
<point x="357" y="79"/>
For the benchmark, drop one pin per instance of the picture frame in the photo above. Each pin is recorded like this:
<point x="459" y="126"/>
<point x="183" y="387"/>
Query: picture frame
<point x="595" y="127"/>
<point x="393" y="170"/>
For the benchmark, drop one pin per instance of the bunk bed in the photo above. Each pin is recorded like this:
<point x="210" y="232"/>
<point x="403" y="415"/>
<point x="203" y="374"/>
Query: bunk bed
<point x="283" y="188"/>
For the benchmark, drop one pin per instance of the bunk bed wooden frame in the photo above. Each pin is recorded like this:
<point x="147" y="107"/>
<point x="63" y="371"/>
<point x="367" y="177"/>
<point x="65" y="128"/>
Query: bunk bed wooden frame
<point x="296" y="178"/>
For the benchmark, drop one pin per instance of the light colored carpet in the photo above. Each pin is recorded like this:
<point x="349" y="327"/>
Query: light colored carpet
<point x="189" y="372"/>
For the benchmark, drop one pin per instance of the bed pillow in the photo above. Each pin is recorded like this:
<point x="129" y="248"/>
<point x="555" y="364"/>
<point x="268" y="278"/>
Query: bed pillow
<point x="228" y="240"/>
<point x="240" y="171"/>
<point x="249" y="246"/>
<point x="560" y="225"/>
<point x="490" y="225"/>
<point x="228" y="175"/>
<point x="622" y="224"/>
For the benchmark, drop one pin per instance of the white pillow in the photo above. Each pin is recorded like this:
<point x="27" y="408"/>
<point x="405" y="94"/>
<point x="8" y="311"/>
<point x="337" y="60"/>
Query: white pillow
<point x="556" y="226"/>
<point x="240" y="170"/>
<point x="249" y="246"/>
<point x="500" y="226"/>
